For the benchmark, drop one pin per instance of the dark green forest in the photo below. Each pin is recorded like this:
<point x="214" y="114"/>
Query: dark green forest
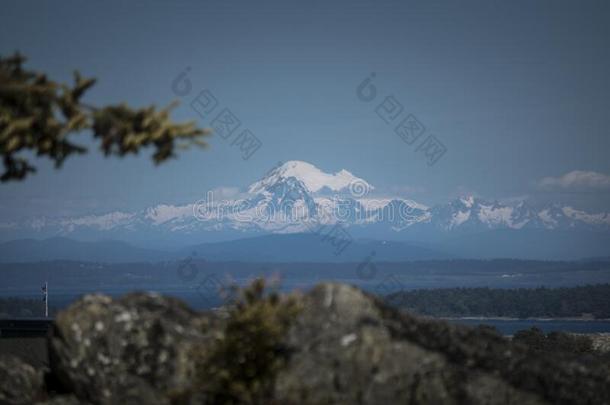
<point x="20" y="307"/>
<point x="566" y="302"/>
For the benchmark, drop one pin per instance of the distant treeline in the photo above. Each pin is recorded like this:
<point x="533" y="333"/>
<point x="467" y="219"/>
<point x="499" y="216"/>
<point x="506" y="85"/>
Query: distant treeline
<point x="13" y="307"/>
<point x="568" y="302"/>
<point x="83" y="276"/>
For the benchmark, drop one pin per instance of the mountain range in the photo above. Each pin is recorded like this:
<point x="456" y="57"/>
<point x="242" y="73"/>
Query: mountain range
<point x="268" y="248"/>
<point x="296" y="197"/>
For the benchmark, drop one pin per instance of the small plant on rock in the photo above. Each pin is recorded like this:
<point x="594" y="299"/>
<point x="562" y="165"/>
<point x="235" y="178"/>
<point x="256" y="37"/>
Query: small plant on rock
<point x="240" y="364"/>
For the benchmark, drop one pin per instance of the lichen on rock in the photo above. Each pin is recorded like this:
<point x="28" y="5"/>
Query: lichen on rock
<point x="334" y="344"/>
<point x="20" y="383"/>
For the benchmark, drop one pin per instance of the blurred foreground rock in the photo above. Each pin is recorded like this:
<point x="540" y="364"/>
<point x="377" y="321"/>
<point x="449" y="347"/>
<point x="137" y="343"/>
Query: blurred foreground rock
<point x="342" y="347"/>
<point x="20" y="383"/>
<point x="601" y="342"/>
<point x="127" y="350"/>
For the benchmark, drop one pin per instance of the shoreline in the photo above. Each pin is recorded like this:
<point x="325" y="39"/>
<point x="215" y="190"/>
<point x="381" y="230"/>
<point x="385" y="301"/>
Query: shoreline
<point x="505" y="319"/>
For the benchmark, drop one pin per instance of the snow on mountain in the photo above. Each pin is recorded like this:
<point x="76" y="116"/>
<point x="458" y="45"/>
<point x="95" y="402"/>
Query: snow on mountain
<point x="372" y="204"/>
<point x="553" y="217"/>
<point x="467" y="201"/>
<point x="591" y="219"/>
<point x="313" y="178"/>
<point x="291" y="198"/>
<point x="524" y="216"/>
<point x="164" y="213"/>
<point x="459" y="218"/>
<point x="101" y="222"/>
<point x="282" y="205"/>
<point x="472" y="213"/>
<point x="547" y="218"/>
<point x="495" y="214"/>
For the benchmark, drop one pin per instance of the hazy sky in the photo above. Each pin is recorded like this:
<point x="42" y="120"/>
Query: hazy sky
<point x="517" y="91"/>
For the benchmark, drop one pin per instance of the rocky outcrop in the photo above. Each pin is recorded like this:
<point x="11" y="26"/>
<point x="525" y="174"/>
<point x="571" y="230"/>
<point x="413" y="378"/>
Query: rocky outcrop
<point x="340" y="346"/>
<point x="135" y="349"/>
<point x="347" y="350"/>
<point x="20" y="383"/>
<point x="601" y="342"/>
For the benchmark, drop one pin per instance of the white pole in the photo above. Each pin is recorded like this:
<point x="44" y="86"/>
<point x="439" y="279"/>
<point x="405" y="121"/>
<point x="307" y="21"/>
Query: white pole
<point x="46" y="299"/>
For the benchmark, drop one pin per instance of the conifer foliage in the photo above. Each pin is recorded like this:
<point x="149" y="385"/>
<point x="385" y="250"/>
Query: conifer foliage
<point x="41" y="116"/>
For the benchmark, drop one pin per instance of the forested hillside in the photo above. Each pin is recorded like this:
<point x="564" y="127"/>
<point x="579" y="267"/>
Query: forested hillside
<point x="591" y="301"/>
<point x="12" y="307"/>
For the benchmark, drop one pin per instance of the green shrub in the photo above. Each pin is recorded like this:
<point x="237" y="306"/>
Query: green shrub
<point x="240" y="365"/>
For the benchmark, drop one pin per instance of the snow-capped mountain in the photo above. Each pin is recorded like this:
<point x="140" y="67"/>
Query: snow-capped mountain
<point x="470" y="213"/>
<point x="298" y="197"/>
<point x="314" y="179"/>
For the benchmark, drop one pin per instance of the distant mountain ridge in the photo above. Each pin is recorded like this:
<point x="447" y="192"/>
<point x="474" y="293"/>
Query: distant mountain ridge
<point x="296" y="197"/>
<point x="269" y="248"/>
<point x="111" y="251"/>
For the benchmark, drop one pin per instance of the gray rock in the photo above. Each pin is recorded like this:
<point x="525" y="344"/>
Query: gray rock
<point x="344" y="352"/>
<point x="20" y="383"/>
<point x="601" y="342"/>
<point x="131" y="350"/>
<point x="63" y="400"/>
<point x="344" y="346"/>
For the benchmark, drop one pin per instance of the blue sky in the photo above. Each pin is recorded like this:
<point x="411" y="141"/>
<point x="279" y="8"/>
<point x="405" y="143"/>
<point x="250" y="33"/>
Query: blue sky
<point x="517" y="91"/>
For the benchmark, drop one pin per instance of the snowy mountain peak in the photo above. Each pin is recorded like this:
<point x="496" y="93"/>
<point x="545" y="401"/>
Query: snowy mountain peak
<point x="467" y="201"/>
<point x="296" y="194"/>
<point x="313" y="178"/>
